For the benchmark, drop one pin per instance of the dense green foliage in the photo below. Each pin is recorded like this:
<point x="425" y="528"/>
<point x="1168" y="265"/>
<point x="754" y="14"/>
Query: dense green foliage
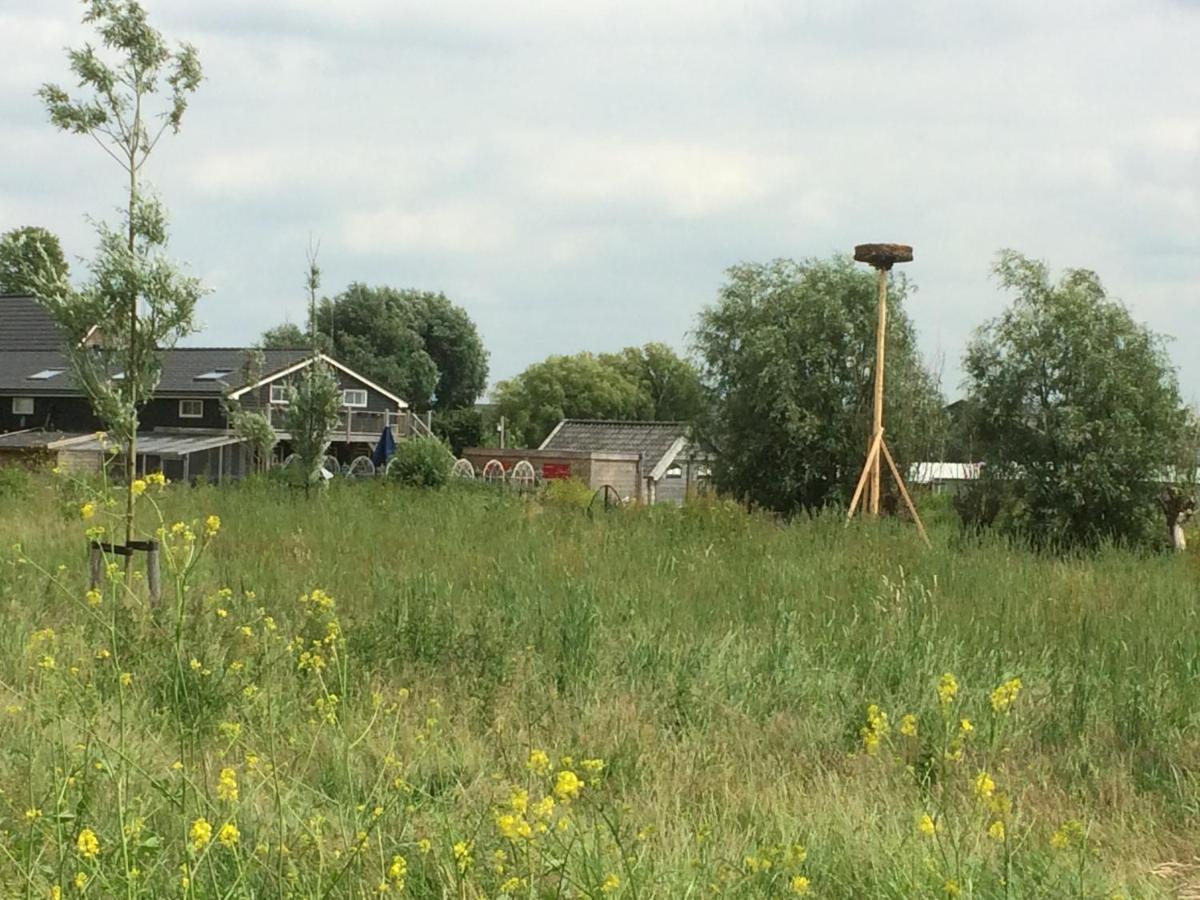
<point x="461" y="428"/>
<point x="1077" y="409"/>
<point x="788" y="353"/>
<point x="28" y="256"/>
<point x="421" y="462"/>
<point x="649" y="382"/>
<point x="721" y="665"/>
<point x="416" y="343"/>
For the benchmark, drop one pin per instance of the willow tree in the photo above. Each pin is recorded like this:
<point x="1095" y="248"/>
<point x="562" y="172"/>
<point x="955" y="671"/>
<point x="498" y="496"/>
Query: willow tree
<point x="134" y="90"/>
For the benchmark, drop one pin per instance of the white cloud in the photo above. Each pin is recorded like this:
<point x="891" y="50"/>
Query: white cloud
<point x="612" y="158"/>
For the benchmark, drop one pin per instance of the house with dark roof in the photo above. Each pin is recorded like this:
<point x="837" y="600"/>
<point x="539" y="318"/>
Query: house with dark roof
<point x="185" y="431"/>
<point x="646" y="462"/>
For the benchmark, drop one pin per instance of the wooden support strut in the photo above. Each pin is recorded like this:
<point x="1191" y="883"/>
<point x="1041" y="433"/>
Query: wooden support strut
<point x="904" y="493"/>
<point x="98" y="550"/>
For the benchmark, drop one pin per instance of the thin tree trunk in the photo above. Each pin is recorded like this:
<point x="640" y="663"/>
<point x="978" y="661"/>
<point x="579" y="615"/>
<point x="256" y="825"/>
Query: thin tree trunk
<point x="131" y="360"/>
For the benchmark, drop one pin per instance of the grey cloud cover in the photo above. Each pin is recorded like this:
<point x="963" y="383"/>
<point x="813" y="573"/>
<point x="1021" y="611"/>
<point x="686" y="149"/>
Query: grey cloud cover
<point x="580" y="175"/>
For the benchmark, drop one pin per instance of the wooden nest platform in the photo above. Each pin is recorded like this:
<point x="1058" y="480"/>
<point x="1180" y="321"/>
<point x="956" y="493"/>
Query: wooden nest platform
<point x="883" y="256"/>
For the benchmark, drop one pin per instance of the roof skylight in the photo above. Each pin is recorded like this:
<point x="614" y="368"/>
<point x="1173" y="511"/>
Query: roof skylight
<point x="214" y="375"/>
<point x="45" y="375"/>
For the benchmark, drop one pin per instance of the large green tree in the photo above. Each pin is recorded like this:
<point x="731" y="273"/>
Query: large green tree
<point x="671" y="382"/>
<point x="28" y="256"/>
<point x="788" y="352"/>
<point x="649" y="382"/>
<point x="416" y="343"/>
<point x="1078" y="413"/>
<point x="135" y="89"/>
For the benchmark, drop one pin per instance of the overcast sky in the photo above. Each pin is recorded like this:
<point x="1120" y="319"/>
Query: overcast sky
<point x="578" y="175"/>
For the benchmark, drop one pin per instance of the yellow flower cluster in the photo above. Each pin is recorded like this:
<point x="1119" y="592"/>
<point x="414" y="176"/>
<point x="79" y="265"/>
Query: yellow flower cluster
<point x="1005" y="695"/>
<point x="88" y="844"/>
<point x="947" y="689"/>
<point x="201" y="833"/>
<point x="875" y="730"/>
<point x="227" y="785"/>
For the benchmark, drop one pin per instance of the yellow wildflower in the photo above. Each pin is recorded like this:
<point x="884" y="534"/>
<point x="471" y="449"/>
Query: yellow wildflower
<point x="398" y="869"/>
<point x="33" y="814"/>
<point x="800" y="885"/>
<point x="80" y="881"/>
<point x="227" y="786"/>
<point x="462" y="855"/>
<point x="88" y="844"/>
<point x="539" y="762"/>
<point x="908" y="725"/>
<point x="926" y="825"/>
<point x="424" y="846"/>
<point x="126" y="679"/>
<point x="966" y="726"/>
<point x="511" y="886"/>
<point x="228" y="835"/>
<point x="46" y="662"/>
<point x="55" y="893"/>
<point x="212" y="525"/>
<point x="996" y="831"/>
<point x="1004" y="696"/>
<point x="593" y="766"/>
<point x="984" y="785"/>
<point x="544" y="808"/>
<point x="157" y="478"/>
<point x="93" y="597"/>
<point x="87" y="510"/>
<point x="875" y="730"/>
<point x="513" y="828"/>
<point x="201" y="833"/>
<point x="951" y="888"/>
<point x="138" y="487"/>
<point x="947" y="689"/>
<point x="610" y="884"/>
<point x="567" y="786"/>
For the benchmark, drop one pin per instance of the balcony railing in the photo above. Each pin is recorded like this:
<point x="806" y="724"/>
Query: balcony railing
<point x="359" y="423"/>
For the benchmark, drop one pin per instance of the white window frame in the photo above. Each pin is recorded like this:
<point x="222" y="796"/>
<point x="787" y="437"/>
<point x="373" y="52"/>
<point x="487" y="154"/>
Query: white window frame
<point x="22" y="406"/>
<point x="346" y="395"/>
<point x="281" y="399"/>
<point x="191" y="415"/>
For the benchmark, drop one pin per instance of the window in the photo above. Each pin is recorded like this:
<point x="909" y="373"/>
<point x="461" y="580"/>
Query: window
<point x="44" y="375"/>
<point x="191" y="409"/>
<point x="674" y="472"/>
<point x="214" y="375"/>
<point x="22" y="406"/>
<point x="279" y="393"/>
<point x="354" y="397"/>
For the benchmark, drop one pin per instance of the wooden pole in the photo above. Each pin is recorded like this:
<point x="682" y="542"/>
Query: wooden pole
<point x="904" y="493"/>
<point x="153" y="574"/>
<point x="872" y="458"/>
<point x="880" y="345"/>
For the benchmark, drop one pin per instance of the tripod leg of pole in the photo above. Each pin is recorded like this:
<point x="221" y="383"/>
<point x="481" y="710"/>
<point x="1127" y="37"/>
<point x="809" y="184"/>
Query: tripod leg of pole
<point x="872" y="462"/>
<point x="904" y="493"/>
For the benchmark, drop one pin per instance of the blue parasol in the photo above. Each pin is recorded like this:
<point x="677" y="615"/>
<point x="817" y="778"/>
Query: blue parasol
<point x="385" y="449"/>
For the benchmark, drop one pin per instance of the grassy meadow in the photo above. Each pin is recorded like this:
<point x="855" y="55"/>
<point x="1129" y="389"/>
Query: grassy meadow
<point x="469" y="694"/>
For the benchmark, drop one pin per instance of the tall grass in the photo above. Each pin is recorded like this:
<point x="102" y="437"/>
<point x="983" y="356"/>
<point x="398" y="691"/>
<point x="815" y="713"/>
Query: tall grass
<point x="744" y="683"/>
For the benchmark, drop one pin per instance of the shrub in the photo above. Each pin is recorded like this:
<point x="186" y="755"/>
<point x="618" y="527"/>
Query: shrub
<point x="568" y="492"/>
<point x="421" y="462"/>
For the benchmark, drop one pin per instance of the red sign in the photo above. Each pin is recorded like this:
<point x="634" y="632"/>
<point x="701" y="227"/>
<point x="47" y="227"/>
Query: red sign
<point x="556" y="470"/>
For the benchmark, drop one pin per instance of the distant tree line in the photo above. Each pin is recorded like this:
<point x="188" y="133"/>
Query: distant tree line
<point x="1072" y="406"/>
